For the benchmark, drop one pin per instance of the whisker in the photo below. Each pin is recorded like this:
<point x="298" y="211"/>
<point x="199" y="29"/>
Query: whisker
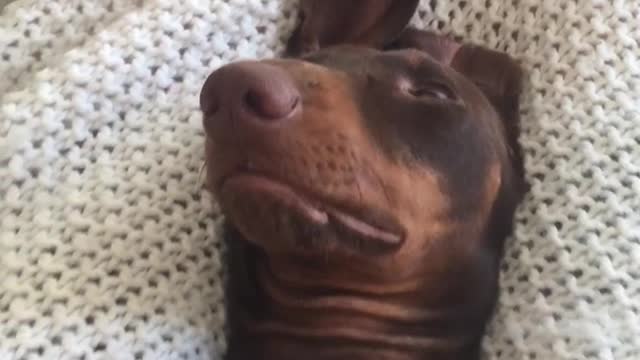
<point x="383" y="187"/>
<point x="200" y="183"/>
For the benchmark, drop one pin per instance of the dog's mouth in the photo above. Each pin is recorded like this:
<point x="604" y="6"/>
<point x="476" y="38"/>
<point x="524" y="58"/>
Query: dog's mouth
<point x="256" y="199"/>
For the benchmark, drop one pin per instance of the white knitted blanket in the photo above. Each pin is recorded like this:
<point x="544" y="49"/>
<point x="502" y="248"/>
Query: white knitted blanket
<point x="108" y="245"/>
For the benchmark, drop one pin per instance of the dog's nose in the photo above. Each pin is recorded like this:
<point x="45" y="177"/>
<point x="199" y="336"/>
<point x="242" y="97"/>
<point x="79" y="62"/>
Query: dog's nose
<point x="249" y="92"/>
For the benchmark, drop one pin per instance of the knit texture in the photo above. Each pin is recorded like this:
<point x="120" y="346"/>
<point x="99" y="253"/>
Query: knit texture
<point x="109" y="246"/>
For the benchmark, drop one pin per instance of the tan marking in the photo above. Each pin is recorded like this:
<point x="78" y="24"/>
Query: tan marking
<point x="358" y="304"/>
<point x="424" y="343"/>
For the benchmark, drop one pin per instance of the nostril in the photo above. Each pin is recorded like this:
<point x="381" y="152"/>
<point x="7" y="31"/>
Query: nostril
<point x="271" y="105"/>
<point x="253" y="101"/>
<point x="210" y="107"/>
<point x="209" y="96"/>
<point x="294" y="103"/>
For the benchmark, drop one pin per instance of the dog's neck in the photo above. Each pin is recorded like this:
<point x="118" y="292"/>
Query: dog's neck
<point x="310" y="308"/>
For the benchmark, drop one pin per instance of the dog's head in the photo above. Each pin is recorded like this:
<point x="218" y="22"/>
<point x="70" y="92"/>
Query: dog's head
<point x="389" y="153"/>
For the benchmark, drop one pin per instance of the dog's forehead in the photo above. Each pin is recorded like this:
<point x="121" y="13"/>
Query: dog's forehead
<point x="356" y="59"/>
<point x="343" y="57"/>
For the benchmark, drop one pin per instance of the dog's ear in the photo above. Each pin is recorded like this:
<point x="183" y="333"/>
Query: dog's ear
<point x="495" y="73"/>
<point x="372" y="23"/>
<point x="500" y="78"/>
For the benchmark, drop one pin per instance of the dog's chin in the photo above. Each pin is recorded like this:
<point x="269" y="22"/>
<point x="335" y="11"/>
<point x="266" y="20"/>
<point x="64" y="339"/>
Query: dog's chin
<point x="279" y="218"/>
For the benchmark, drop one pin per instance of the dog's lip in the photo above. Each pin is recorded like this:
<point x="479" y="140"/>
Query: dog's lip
<point x="246" y="182"/>
<point x="367" y="224"/>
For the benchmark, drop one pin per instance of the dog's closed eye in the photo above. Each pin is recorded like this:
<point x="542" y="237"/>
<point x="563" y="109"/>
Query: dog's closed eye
<point x="427" y="90"/>
<point x="434" y="90"/>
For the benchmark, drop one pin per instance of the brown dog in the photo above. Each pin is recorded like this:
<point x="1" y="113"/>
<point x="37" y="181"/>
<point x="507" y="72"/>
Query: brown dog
<point x="369" y="181"/>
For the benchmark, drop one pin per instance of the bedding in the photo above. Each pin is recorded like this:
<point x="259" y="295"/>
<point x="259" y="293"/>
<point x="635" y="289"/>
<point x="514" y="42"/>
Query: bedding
<point x="109" y="244"/>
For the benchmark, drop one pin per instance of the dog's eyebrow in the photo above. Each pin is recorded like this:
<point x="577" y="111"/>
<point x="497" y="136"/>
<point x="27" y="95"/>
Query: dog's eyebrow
<point x="416" y="66"/>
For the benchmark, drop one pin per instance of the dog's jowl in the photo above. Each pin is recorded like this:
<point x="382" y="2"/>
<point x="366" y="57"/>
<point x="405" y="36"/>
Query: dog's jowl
<point x="369" y="180"/>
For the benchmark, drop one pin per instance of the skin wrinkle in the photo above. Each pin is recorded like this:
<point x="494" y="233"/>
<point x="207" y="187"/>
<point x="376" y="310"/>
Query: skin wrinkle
<point x="352" y="303"/>
<point x="404" y="342"/>
<point x="399" y="287"/>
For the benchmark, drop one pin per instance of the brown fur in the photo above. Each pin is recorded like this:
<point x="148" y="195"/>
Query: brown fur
<point x="443" y="175"/>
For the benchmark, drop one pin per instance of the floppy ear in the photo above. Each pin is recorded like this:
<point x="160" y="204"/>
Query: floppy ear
<point x="500" y="78"/>
<point x="372" y="23"/>
<point x="495" y="73"/>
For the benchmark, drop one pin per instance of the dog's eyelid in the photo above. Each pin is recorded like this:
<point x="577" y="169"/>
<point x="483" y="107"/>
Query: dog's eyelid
<point x="434" y="89"/>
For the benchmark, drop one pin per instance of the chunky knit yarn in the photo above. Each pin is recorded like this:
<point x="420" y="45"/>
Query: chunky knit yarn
<point x="109" y="247"/>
